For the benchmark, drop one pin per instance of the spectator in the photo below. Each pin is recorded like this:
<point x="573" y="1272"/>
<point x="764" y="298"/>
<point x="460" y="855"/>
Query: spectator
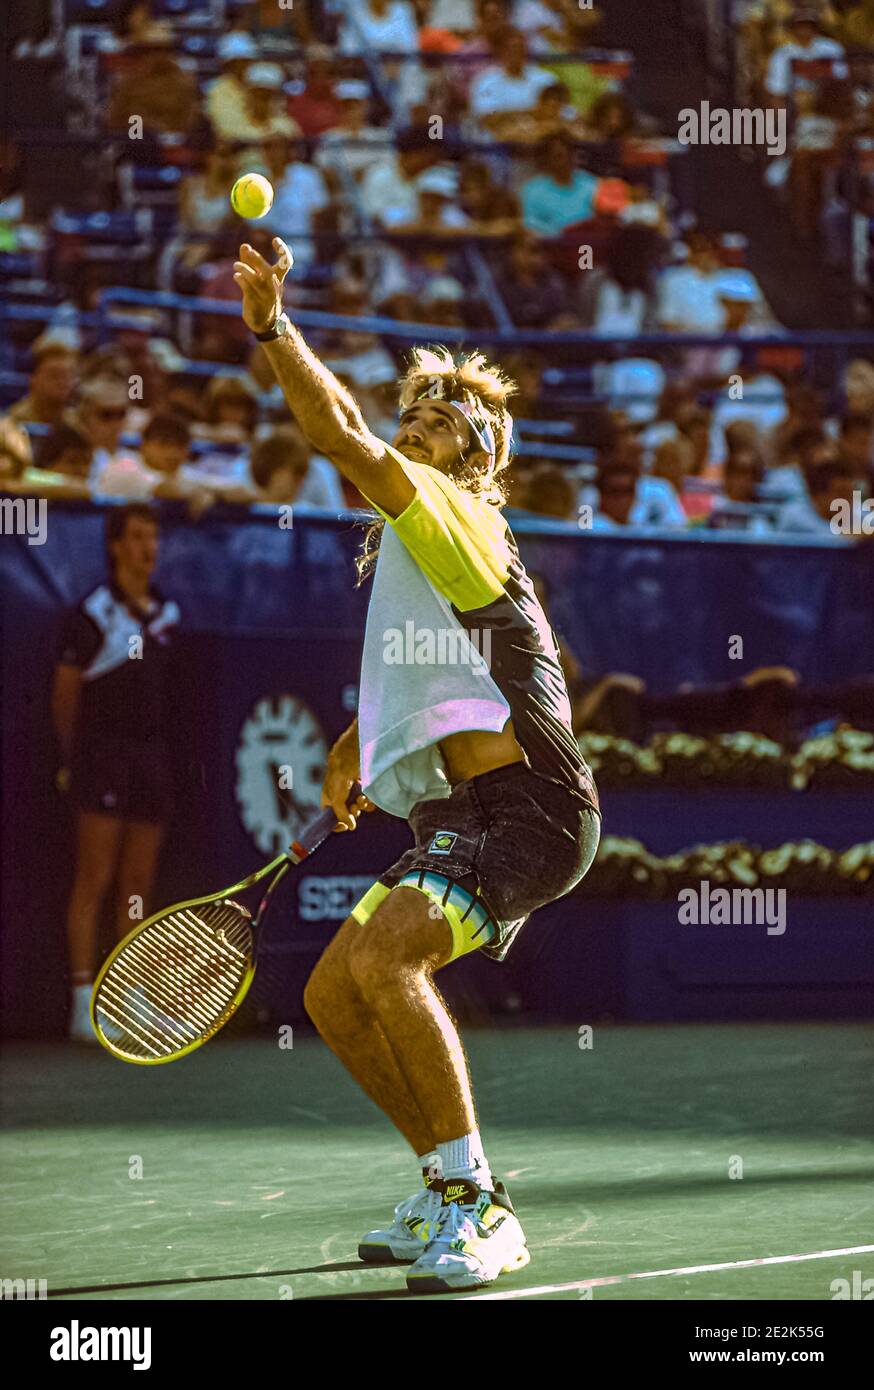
<point x="563" y="195"/>
<point x="806" y="41"/>
<point x="829" y="479"/>
<point x="493" y="209"/>
<point x="390" y="190"/>
<point x="856" y="438"/>
<point x="379" y="26"/>
<point x="616" y="487"/>
<point x="318" y="107"/>
<point x="264" y="114"/>
<point x="688" y="295"/>
<point x="110" y="719"/>
<point x="458" y="17"/>
<point x="156" y="91"/>
<point x="227" y="99"/>
<point x="15" y="454"/>
<point x="351" y="146"/>
<point x="550" y="492"/>
<point x="62" y="464"/>
<point x="622" y="293"/>
<point x="231" y="408"/>
<point x="443" y="302"/>
<point x="437" y="212"/>
<point x="672" y="462"/>
<point x="858" y="387"/>
<point x="509" y="87"/>
<point x="612" y="118"/>
<point x="280" y="462"/>
<point x="551" y="113"/>
<point x="302" y="209"/>
<point x="101" y="416"/>
<point x="534" y="293"/>
<point x="204" y="210"/>
<point x="52" y="384"/>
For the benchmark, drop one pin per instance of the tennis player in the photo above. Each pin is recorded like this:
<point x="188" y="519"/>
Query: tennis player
<point x="465" y="731"/>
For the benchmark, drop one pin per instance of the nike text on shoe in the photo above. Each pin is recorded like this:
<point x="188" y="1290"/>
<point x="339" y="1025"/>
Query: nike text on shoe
<point x="415" y="1222"/>
<point x="478" y="1238"/>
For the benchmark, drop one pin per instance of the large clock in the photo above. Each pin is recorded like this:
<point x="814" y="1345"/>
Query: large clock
<point x="281" y="758"/>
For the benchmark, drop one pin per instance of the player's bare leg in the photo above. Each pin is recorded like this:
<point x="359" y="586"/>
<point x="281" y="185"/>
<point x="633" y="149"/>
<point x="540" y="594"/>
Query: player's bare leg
<point x="392" y="962"/>
<point x="355" y="1034"/>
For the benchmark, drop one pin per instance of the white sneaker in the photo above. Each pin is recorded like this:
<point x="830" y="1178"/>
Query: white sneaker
<point x="478" y="1238"/>
<point x="80" y="1016"/>
<point x="414" y="1224"/>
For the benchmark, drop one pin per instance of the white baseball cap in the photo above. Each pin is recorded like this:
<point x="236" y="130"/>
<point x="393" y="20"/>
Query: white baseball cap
<point x="266" y="75"/>
<point x="442" y="179"/>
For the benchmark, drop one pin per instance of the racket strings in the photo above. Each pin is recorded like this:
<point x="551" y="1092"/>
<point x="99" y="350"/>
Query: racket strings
<point x="174" y="983"/>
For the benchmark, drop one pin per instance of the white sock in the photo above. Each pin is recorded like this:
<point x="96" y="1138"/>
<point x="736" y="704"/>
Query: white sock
<point x="82" y="996"/>
<point x="464" y="1158"/>
<point x="431" y="1161"/>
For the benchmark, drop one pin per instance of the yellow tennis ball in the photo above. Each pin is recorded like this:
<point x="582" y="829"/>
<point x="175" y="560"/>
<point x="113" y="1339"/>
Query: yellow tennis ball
<point x="252" y="195"/>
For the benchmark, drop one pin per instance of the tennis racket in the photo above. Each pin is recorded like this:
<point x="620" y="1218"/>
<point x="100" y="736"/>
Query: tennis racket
<point x="178" y="977"/>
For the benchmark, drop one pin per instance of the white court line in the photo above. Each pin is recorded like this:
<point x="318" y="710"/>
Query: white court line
<point x="683" y="1269"/>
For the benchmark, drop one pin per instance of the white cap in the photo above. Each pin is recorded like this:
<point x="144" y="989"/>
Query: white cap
<point x="236" y="45"/>
<point x="351" y="89"/>
<point x="443" y="288"/>
<point x="738" y="285"/>
<point x="266" y="75"/>
<point x="442" y="179"/>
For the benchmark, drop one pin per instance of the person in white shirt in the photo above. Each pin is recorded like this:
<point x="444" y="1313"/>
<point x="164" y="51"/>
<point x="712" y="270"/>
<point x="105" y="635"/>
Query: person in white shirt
<point x="808" y="42"/>
<point x="511" y="85"/>
<point x="300" y="198"/>
<point x="227" y="97"/>
<point x="688" y="295"/>
<point x="353" y="147"/>
<point x="436" y="210"/>
<point x="458" y="16"/>
<point x="829" y="479"/>
<point x="380" y="26"/>
<point x="390" y="186"/>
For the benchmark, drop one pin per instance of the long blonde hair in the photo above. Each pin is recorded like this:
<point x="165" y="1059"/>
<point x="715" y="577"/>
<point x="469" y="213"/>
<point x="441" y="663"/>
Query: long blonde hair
<point x="433" y="371"/>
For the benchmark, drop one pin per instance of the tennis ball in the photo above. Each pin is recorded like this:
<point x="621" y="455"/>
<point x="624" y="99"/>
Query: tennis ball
<point x="252" y="196"/>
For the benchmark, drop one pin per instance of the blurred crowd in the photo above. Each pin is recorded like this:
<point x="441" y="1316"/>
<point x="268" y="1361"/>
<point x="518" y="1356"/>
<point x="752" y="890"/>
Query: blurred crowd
<point x="482" y="173"/>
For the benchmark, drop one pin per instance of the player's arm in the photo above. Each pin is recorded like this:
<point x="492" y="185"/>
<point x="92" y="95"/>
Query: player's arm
<point x="326" y="412"/>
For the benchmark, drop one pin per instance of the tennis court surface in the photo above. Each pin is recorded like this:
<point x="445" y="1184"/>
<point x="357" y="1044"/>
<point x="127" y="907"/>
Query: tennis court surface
<point x="261" y="1167"/>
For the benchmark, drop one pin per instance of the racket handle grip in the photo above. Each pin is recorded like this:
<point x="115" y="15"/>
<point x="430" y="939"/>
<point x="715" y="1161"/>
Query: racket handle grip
<point x="321" y="826"/>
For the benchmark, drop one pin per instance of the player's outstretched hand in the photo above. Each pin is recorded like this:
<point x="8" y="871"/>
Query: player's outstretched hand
<point x="261" y="284"/>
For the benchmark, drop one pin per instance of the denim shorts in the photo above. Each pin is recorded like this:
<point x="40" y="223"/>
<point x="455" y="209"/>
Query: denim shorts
<point x="498" y="847"/>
